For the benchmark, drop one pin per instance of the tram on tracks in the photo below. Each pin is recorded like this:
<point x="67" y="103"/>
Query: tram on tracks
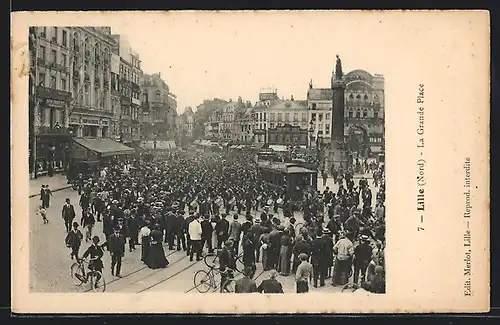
<point x="293" y="178"/>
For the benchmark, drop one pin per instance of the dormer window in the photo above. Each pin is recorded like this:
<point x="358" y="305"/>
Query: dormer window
<point x="351" y="96"/>
<point x="366" y="97"/>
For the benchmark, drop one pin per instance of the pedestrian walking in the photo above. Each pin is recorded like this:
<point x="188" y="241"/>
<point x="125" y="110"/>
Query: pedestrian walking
<point x="116" y="246"/>
<point x="74" y="240"/>
<point x="68" y="214"/>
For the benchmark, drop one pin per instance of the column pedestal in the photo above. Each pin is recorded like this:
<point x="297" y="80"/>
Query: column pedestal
<point x="337" y="156"/>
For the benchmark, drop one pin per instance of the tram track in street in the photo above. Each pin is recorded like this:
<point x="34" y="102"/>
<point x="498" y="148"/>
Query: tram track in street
<point x="169" y="277"/>
<point x="132" y="273"/>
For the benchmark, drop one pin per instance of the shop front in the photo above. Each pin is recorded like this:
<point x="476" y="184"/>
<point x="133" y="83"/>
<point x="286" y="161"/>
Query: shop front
<point x="89" y="154"/>
<point x="83" y="125"/>
<point x="52" y="140"/>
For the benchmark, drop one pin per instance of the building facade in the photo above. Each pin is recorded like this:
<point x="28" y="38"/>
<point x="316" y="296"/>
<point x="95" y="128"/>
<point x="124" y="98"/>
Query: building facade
<point x="364" y="126"/>
<point x="49" y="98"/>
<point x="155" y="106"/>
<point x="319" y="104"/>
<point x="267" y="98"/>
<point x="363" y="112"/>
<point x="288" y="135"/>
<point x="244" y="124"/>
<point x="91" y="110"/>
<point x="130" y="74"/>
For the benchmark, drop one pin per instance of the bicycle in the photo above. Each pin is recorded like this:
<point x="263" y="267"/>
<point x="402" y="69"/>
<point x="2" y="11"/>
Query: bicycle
<point x="212" y="261"/>
<point x="204" y="281"/>
<point x="95" y="277"/>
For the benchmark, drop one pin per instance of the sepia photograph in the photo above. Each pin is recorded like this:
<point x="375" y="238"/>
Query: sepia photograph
<point x="250" y="162"/>
<point x="134" y="188"/>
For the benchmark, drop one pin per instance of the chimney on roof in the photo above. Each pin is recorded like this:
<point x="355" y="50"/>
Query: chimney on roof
<point x="159" y="75"/>
<point x="291" y="98"/>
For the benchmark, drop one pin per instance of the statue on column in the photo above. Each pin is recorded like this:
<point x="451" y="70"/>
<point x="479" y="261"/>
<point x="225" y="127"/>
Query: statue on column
<point x="338" y="69"/>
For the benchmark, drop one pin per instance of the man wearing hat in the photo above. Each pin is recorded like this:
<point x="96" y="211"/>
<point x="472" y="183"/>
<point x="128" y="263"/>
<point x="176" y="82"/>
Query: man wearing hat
<point x="344" y="250"/>
<point x="116" y="246"/>
<point x="95" y="252"/>
<point x="362" y="257"/>
<point x="74" y="240"/>
<point x="303" y="274"/>
<point x="195" y="232"/>
<point x="68" y="214"/>
<point x="319" y="259"/>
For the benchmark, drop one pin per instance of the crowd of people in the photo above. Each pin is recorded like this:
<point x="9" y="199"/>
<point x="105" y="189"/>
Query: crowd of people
<point x="200" y="202"/>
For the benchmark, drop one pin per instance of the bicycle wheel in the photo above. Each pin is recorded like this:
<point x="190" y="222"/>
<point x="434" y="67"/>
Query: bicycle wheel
<point x="239" y="264"/>
<point x="77" y="274"/>
<point x="211" y="260"/>
<point x="230" y="284"/>
<point x="97" y="282"/>
<point x="202" y="281"/>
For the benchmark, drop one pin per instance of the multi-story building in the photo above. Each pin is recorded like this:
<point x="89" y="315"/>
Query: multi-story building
<point x="229" y="128"/>
<point x="155" y="106"/>
<point x="267" y="97"/>
<point x="130" y="91"/>
<point x="364" y="112"/>
<point x="115" y="130"/>
<point x="91" y="110"/>
<point x="287" y="120"/>
<point x="319" y="104"/>
<point x="171" y="115"/>
<point x="213" y="110"/>
<point x="243" y="124"/>
<point x="186" y="122"/>
<point x="49" y="97"/>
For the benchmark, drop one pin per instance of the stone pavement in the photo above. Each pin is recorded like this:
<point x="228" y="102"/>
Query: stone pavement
<point x="56" y="183"/>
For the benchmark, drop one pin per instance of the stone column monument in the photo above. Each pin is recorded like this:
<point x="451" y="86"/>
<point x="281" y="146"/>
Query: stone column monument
<point x="337" y="153"/>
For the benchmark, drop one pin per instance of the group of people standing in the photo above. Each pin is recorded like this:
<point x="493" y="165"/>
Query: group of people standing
<point x="191" y="202"/>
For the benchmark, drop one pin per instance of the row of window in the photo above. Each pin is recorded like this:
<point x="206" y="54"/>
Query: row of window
<point x="54" y="35"/>
<point x="358" y="114"/>
<point x="376" y="140"/>
<point x="54" y="56"/>
<point x="129" y="74"/>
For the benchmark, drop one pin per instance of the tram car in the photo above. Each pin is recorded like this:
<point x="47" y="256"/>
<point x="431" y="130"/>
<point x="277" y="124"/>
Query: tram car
<point x="292" y="177"/>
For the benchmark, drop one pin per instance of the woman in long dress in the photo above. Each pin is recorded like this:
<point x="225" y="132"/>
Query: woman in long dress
<point x="156" y="258"/>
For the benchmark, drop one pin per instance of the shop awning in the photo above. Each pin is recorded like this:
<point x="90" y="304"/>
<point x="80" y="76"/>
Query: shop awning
<point x="375" y="149"/>
<point x="196" y="141"/>
<point x="278" y="148"/>
<point x="105" y="147"/>
<point x="299" y="170"/>
<point x="160" y="145"/>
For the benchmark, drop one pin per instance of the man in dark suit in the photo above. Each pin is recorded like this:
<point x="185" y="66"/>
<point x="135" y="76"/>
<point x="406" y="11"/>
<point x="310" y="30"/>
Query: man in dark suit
<point x="68" y="214"/>
<point x="270" y="285"/>
<point x="245" y="284"/>
<point x="206" y="234"/>
<point x="318" y="259"/>
<point x="222" y="230"/>
<point x="116" y="246"/>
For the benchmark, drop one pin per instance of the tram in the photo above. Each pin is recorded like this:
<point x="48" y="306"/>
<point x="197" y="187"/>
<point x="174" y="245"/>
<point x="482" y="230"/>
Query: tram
<point x="291" y="177"/>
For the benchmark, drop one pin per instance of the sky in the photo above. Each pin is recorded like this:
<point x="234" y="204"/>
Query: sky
<point x="226" y="55"/>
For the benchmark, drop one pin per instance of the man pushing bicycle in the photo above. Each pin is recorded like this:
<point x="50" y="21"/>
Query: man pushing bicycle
<point x="227" y="264"/>
<point x="95" y="252"/>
